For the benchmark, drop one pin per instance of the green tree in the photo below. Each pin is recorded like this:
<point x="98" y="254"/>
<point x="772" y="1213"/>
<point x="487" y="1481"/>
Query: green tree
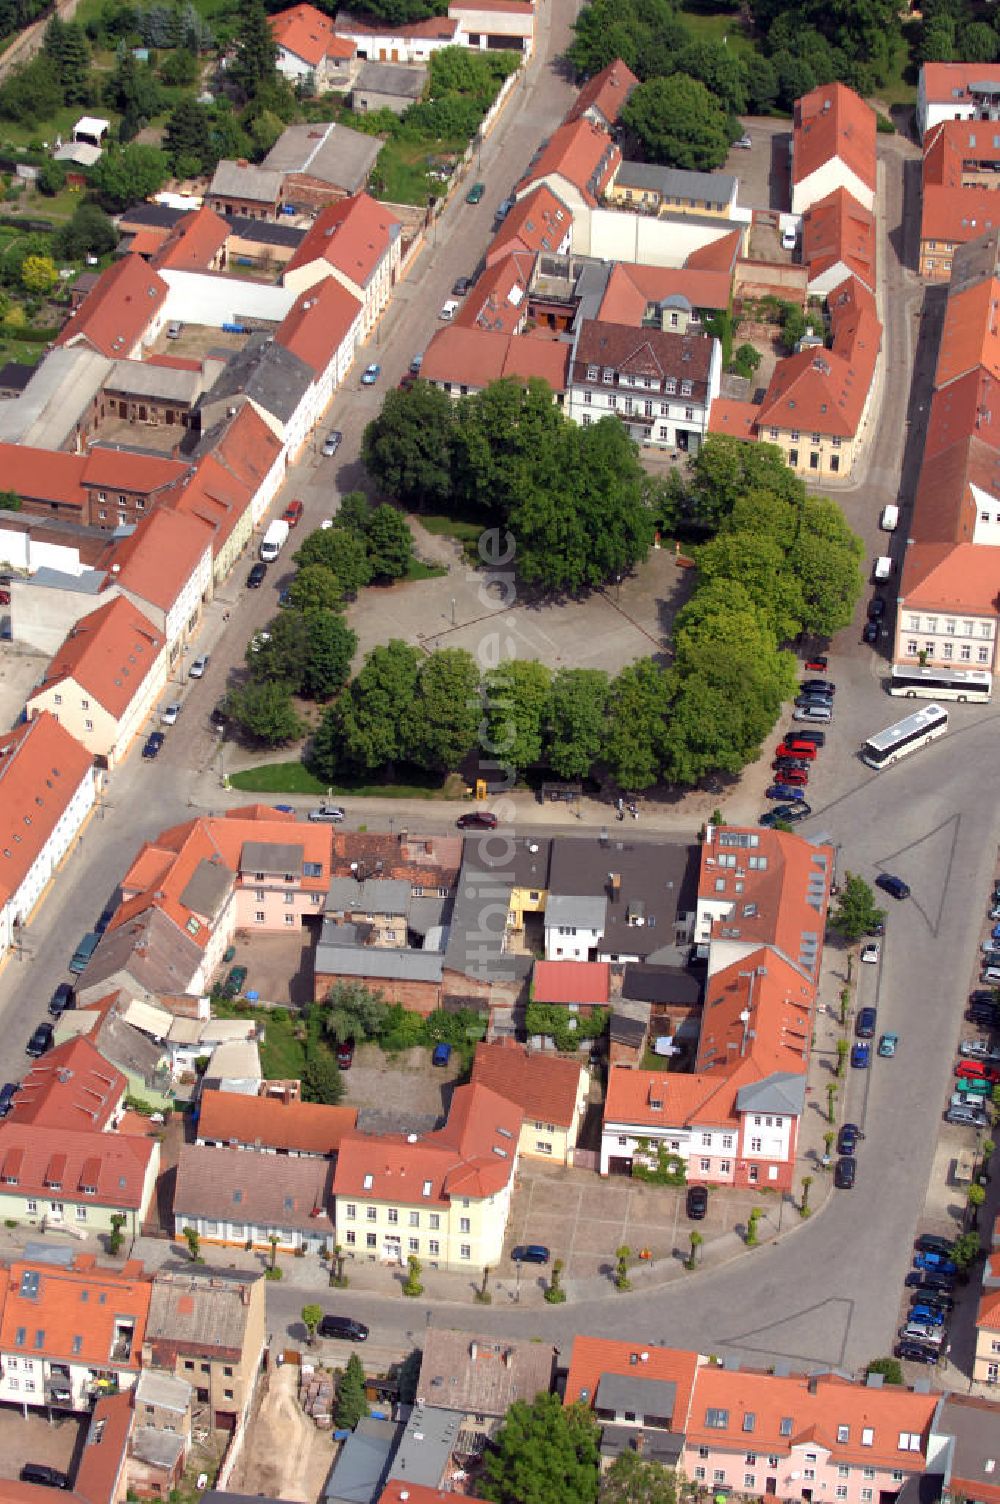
<point x="390" y="543"/>
<point x="544" y="1453"/>
<point x="720" y="68"/>
<point x="756" y="561"/>
<point x="322" y="1080"/>
<point x="282" y="657"/>
<point x="179" y="69"/>
<point x="517" y="697"/>
<point x="51" y="177"/>
<point x="331" y="646"/>
<point x="127" y="173"/>
<point x="67" y="46"/>
<point x="186" y="138"/>
<point x="633" y="1479"/>
<point x="679" y="123"/>
<point x="761" y="83"/>
<point x="253" y="66"/>
<point x="966" y="1250"/>
<point x="312" y="1315"/>
<point x="9" y="501"/>
<point x="638" y="706"/>
<point x="89" y="233"/>
<point x="266" y="711"/>
<point x="132" y="89"/>
<point x="316" y="588"/>
<point x="890" y="1369"/>
<point x="366" y="730"/>
<point x="351" y="1404"/>
<point x="341" y="550"/>
<point x="793" y="326"/>
<point x="354" y="1011"/>
<point x="726" y="470"/>
<point x="856" y="913"/>
<point x="407" y="449"/>
<point x="825" y="559"/>
<point x="746" y="360"/>
<point x="411" y="1284"/>
<point x="39" y="275"/>
<point x="192" y="1238"/>
<point x="33" y="92"/>
<point x="443" y="724"/>
<point x="577" y="721"/>
<point x="977" y="42"/>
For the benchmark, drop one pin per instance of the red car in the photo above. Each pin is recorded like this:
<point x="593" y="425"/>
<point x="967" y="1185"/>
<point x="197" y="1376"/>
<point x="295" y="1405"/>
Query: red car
<point x="977" y="1070"/>
<point x="817" y="665"/>
<point x="792" y="748"/>
<point x="482" y="819"/>
<point x="794" y="777"/>
<point x="345" y="1054"/>
<point x="293" y="513"/>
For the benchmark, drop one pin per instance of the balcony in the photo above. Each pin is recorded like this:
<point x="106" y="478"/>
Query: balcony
<point x="121" y="1345"/>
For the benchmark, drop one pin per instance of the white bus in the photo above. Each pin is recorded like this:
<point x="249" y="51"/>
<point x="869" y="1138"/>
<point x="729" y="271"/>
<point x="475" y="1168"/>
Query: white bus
<point x="973" y="684"/>
<point x="907" y="735"/>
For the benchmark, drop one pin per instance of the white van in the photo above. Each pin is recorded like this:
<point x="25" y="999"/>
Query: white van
<point x="883" y="567"/>
<point x="889" y="520"/>
<point x="449" y="310"/>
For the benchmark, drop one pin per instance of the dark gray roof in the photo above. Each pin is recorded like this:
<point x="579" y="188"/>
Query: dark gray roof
<point x="643" y="983"/>
<point x="130" y="1050"/>
<point x="626" y="1391"/>
<point x="15" y="375"/>
<point x="382" y="1120"/>
<point x="157" y="216"/>
<point x="626" y="1030"/>
<point x="208" y="887"/>
<point x="266" y="231"/>
<point x="660" y="1446"/>
<point x="330" y="153"/>
<point x="266" y="372"/>
<point x="426" y="1446"/>
<point x="391" y="78"/>
<point x="477" y="928"/>
<point x="362" y="1467"/>
<point x="338" y="959"/>
<point x="425" y="914"/>
<point x="782" y="1092"/>
<point x="661" y="876"/>
<point x="272" y="856"/>
<point x="148" y="949"/>
<point x="221" y="1496"/>
<point x="676" y="182"/>
<point x="376" y="895"/>
<point x="971" y="1423"/>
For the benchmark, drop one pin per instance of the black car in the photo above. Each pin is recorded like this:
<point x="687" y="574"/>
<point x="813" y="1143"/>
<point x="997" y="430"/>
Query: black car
<point x="864" y="1024"/>
<point x="818" y="738"/>
<point x="876" y="608"/>
<point x="818" y="687"/>
<point x="64" y="997"/>
<point x="847" y="1138"/>
<point x="870" y="633"/>
<point x="7" y="1094"/>
<point x="892" y="885"/>
<point x="791" y="765"/>
<point x="843" y="1175"/>
<point x="40" y="1472"/>
<point x="806" y="702"/>
<point x="153" y="743"/>
<point x="480" y="820"/>
<point x="344" y="1327"/>
<point x="987" y="995"/>
<point x="697" y="1202"/>
<point x="937" y="1300"/>
<point x="930" y="1279"/>
<point x="40" y="1041"/>
<point x="257" y="575"/>
<point x="461" y="287"/>
<point x="916" y="1352"/>
<point x="530" y="1253"/>
<point x="930" y="1242"/>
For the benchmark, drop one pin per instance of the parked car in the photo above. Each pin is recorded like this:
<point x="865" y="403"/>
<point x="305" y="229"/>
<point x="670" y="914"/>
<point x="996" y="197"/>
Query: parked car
<point x="795" y="737"/>
<point x="744" y="143"/>
<point x="332" y="442"/>
<point x="795" y="778"/>
<point x="792" y="813"/>
<point x="870" y="633"/>
<point x="844" y="1173"/>
<point x="933" y="1242"/>
<point x="7" y="1094"/>
<point x="935" y="1300"/>
<point x="861" y="1055"/>
<point x="218" y="717"/>
<point x="817" y="664"/>
<point x="333" y="814"/>
<point x="40" y="1472"/>
<point x="345" y="1054"/>
<point x="371" y="374"/>
<point x="870" y="953"/>
<point x="819" y="687"/>
<point x="929" y="1315"/>
<point x="979" y="1049"/>
<point x="892" y="885"/>
<point x="293" y="513"/>
<point x="936" y="1261"/>
<point x="257" y="575"/>
<point x="781" y="791"/>
<point x="153" y="743"/>
<point x="697" y="1202"/>
<point x="813" y="701"/>
<point x="887" y="1045"/>
<point x="915" y="1352"/>
<point x="791" y="765"/>
<point x="876" y="608"/>
<point x="480" y="819"/>
<point x="530" y="1253"/>
<point x="847" y="1138"/>
<point x="812" y="712"/>
<point x="921" y="1332"/>
<point x="81" y="956"/>
<point x="475" y="193"/>
<point x="973" y="1070"/>
<point x="198" y="667"/>
<point x="864" y="1024"/>
<point x="939" y="1282"/>
<point x="461" y="286"/>
<point x="967" y="1117"/>
<point x="63" y="998"/>
<point x="344" y="1327"/>
<point x="169" y="713"/>
<point x="40" y="1041"/>
<point x="792" y="746"/>
<point x="441" y="1054"/>
<point x="235" y="982"/>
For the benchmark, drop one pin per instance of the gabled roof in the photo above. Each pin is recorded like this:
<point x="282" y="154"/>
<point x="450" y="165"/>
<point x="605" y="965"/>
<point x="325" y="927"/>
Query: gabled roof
<point x="161" y="556"/>
<point x="539" y="221"/>
<point x="775" y="1036"/>
<point x="193" y="243"/>
<point x="267" y="1190"/>
<point x="117" y="312"/>
<point x="543" y="1085"/>
<point x="109" y="654"/>
<point x="718" y="255"/>
<point x="476" y="357"/>
<point x="442" y="28"/>
<point x="951" y="577"/>
<point x="972" y="1423"/>
<point x="950" y="83"/>
<point x="970" y="336"/>
<point x="318" y="323"/>
<point x="839" y="232"/>
<point x="832" y="122"/>
<point x="245" y="180"/>
<point x="594" y="1358"/>
<point x="580" y="153"/>
<point x="118" y="470"/>
<point x="607" y="93"/>
<point x="270" y="1123"/>
<point x="145" y="954"/>
<point x="737" y="419"/>
<point x="72" y="1086"/>
<point x="308" y="34"/>
<point x="107" y="1169"/>
<point x="633" y="289"/>
<point x="586" y="982"/>
<point x="41" y="768"/>
<point x="228" y="477"/>
<point x="44" y="475"/>
<point x="945" y="506"/>
<point x="58" y="1313"/>
<point x="498" y="300"/>
<point x="969" y="404"/>
<point x="195" y="1311"/>
<point x="825" y="390"/>
<point x="472" y="1155"/>
<point x="352" y="235"/>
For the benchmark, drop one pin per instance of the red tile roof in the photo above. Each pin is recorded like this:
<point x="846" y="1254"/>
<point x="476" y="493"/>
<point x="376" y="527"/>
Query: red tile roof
<point x="498" y="300"/>
<point x="267" y="1122"/>
<point x="718" y="255"/>
<point x="632" y="288"/>
<point x="43" y="475"/>
<point x="969" y="404"/>
<point x="953" y="209"/>
<point x="399" y="1490"/>
<point x="950" y="577"/>
<point x="108" y="653"/>
<point x="832" y="122"/>
<point x="945" y="506"/>
<point x="571" y="982"/>
<point x="309" y="34"/>
<point x="353" y="235"/>
<point x="117" y="312"/>
<point x="477" y="357"/>
<point x="193" y="243"/>
<point x="776" y="1036"/>
<point x="226" y="479"/>
<point x="580" y="153"/>
<point x="41" y="768"/>
<point x="543" y="1085"/>
<point x="839" y="232"/>
<point x="948" y="83"/>
<point x="738" y="419"/>
<point x="607" y="93"/>
<point x="99" y="1476"/>
<point x="156" y="562"/>
<point x="539" y="221"/>
<point x="826" y="389"/>
<point x="73" y="1086"/>
<point x="970" y="336"/>
<point x="434" y="27"/>
<point x="114" y="1165"/>
<point x="594" y="1356"/>
<point x="318" y="322"/>
<point x="144" y="474"/>
<point x="472" y="1155"/>
<point x="75" y="1312"/>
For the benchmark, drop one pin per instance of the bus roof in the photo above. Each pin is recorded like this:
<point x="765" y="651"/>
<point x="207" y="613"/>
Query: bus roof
<point x="910" y="725"/>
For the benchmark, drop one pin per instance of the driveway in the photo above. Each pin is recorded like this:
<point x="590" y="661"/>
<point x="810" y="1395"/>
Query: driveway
<point x="32" y="1438"/>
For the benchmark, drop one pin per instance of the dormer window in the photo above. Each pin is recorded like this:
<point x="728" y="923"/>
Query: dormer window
<point x="369" y="1181"/>
<point x="608" y="376"/>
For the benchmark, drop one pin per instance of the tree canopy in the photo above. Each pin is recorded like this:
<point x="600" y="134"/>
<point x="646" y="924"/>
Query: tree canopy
<point x="545" y="1453"/>
<point x="679" y="122"/>
<point x="856" y="911"/>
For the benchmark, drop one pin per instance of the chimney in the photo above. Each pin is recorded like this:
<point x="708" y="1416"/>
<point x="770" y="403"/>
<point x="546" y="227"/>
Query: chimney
<point x="615" y="879"/>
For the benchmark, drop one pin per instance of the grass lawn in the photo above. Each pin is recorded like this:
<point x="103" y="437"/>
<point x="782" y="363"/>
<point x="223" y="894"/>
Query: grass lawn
<point x="403" y="165"/>
<point x="293" y="778"/>
<point x="717" y="26"/>
<point x="28" y="352"/>
<point x="418" y="570"/>
<point x="451" y="527"/>
<point x="282" y="1055"/>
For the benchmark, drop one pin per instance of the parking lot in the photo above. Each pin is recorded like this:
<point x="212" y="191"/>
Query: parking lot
<point x="33" y="1438"/>
<point x="20" y="671"/>
<point x="763" y="172"/>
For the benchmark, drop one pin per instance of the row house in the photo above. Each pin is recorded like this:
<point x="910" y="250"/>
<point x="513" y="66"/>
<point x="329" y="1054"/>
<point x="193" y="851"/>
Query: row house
<point x="463" y="361"/>
<point x="208" y="1327"/>
<point x="986" y="1363"/>
<point x="76" y="1177"/>
<point x="358" y="242"/>
<point x="577" y="163"/>
<point x="322" y="162"/>
<point x="551" y="1091"/>
<point x="165" y="569"/>
<point x="323" y="329"/>
<point x="958" y="203"/>
<point x="957" y="91"/>
<point x="48" y="790"/>
<point x="442" y="1196"/>
<point x="838" y="241"/>
<point x="104" y="488"/>
<point x="660" y="384"/>
<point x="272" y="1124"/>
<point x="233" y="484"/>
<point x="604" y="96"/>
<point x="833" y="146"/>
<point x="229" y="1196"/>
<point x="71" y="1333"/>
